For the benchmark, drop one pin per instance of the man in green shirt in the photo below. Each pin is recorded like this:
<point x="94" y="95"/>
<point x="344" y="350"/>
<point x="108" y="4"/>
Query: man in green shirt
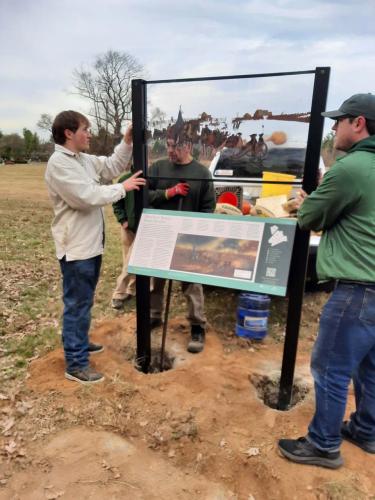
<point x="343" y="207"/>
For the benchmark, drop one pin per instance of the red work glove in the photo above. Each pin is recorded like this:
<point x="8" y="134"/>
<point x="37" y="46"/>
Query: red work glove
<point x="181" y="188"/>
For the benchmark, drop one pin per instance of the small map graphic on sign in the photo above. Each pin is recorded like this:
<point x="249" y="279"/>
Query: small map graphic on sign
<point x="277" y="236"/>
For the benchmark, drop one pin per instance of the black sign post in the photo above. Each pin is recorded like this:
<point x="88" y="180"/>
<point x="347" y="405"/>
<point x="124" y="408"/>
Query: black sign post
<point x="142" y="284"/>
<point x="300" y="254"/>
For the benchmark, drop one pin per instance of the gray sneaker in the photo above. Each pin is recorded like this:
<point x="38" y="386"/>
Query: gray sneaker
<point x="84" y="376"/>
<point x="302" y="451"/>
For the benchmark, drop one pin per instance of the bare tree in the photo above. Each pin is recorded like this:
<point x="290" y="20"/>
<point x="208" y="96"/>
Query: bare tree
<point x="107" y="85"/>
<point x="158" y="118"/>
<point x="45" y="122"/>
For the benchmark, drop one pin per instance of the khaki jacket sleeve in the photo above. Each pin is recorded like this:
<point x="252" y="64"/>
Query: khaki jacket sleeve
<point x="77" y="191"/>
<point x="110" y="167"/>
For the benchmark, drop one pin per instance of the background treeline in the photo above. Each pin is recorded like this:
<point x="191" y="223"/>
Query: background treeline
<point x="29" y="147"/>
<point x="21" y="149"/>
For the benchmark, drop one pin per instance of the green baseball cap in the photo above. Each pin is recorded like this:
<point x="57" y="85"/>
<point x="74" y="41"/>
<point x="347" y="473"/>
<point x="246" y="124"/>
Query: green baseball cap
<point x="356" y="105"/>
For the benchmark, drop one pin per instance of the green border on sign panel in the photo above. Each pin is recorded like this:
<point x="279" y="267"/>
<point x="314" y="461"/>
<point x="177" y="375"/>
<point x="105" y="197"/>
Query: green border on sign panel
<point x="201" y="215"/>
<point x="210" y="280"/>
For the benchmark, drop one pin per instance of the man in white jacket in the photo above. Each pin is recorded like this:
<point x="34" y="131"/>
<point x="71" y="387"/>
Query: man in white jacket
<point x="75" y="185"/>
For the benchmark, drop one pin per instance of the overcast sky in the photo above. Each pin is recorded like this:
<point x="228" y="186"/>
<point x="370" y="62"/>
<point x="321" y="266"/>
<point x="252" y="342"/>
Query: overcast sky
<point x="43" y="41"/>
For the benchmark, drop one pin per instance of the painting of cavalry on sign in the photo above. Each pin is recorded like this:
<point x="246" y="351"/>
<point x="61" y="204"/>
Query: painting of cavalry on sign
<point x="224" y="257"/>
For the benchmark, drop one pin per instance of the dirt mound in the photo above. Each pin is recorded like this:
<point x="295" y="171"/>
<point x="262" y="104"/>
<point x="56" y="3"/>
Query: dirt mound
<point x="198" y="430"/>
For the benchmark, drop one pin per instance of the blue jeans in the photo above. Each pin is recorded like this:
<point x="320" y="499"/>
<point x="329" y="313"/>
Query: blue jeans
<point x="344" y="349"/>
<point x="80" y="278"/>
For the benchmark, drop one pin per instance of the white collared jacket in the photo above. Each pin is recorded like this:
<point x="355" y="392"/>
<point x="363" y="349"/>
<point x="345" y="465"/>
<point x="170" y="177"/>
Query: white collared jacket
<point x="75" y="187"/>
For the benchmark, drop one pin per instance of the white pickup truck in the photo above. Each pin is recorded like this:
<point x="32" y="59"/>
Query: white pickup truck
<point x="231" y="169"/>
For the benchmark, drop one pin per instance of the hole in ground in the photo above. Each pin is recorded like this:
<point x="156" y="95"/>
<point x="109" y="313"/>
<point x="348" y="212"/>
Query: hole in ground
<point x="168" y="359"/>
<point x="268" y="390"/>
<point x="155" y="367"/>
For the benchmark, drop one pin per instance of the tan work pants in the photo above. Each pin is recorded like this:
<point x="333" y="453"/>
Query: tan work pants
<point x="125" y="282"/>
<point x="193" y="293"/>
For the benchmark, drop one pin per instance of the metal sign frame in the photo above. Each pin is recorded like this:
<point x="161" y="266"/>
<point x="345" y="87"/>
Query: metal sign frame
<point x="301" y="242"/>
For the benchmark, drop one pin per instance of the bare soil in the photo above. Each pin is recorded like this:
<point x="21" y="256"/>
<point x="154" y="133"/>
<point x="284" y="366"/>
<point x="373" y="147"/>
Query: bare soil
<point x="199" y="430"/>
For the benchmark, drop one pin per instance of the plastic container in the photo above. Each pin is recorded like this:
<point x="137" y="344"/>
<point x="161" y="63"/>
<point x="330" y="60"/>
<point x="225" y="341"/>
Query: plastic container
<point x="228" y="197"/>
<point x="276" y="189"/>
<point x="252" y="315"/>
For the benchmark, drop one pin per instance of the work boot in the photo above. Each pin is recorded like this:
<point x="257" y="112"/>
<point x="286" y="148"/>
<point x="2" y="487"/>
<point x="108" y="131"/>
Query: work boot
<point x="155" y="323"/>
<point x="118" y="304"/>
<point x="95" y="348"/>
<point x="196" y="343"/>
<point x="346" y="433"/>
<point x="302" y="451"/>
<point x="84" y="375"/>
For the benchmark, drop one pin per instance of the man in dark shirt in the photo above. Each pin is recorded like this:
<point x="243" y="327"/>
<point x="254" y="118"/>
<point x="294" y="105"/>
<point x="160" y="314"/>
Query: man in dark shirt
<point x="181" y="183"/>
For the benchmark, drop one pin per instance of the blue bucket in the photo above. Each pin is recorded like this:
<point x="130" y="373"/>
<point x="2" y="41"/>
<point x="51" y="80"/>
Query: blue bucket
<point x="252" y="315"/>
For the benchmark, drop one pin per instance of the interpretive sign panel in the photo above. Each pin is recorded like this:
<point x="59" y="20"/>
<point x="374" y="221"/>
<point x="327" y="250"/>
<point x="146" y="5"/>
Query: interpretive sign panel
<point x="244" y="253"/>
